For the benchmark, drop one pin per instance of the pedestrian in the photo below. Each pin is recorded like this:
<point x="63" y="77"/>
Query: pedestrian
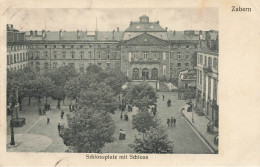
<point x="168" y="121"/>
<point x="170" y="102"/>
<point x="62" y="114"/>
<point x="123" y="134"/>
<point x="59" y="127"/>
<point x="49" y="106"/>
<point x="171" y="121"/>
<point x="121" y="116"/>
<point x="48" y="120"/>
<point x="126" y="117"/>
<point x="73" y="107"/>
<point x="174" y="121"/>
<point x="163" y="97"/>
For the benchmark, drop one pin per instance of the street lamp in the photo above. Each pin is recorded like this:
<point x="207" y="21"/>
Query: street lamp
<point x="192" y="112"/>
<point x="12" y="143"/>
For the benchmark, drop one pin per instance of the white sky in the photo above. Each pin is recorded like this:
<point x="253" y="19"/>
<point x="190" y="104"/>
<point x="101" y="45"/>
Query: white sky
<point x="25" y="19"/>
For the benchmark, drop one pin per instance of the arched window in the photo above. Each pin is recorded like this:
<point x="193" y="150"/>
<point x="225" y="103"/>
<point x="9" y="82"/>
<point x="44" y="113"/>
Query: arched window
<point x="145" y="74"/>
<point x="154" y="74"/>
<point x="135" y="74"/>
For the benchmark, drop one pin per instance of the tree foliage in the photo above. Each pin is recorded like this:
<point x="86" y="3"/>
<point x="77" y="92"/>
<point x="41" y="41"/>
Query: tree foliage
<point x="99" y="96"/>
<point x="155" y="140"/>
<point x="142" y="96"/>
<point x="143" y="121"/>
<point x="88" y="131"/>
<point x="20" y="83"/>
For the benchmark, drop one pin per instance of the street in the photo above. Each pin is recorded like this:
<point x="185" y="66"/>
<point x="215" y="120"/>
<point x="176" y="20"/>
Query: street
<point x="37" y="136"/>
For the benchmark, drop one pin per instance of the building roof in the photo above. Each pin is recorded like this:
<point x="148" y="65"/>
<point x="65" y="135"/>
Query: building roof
<point x="109" y="35"/>
<point x="181" y="36"/>
<point x="145" y="39"/>
<point x="145" y="26"/>
<point x="73" y="35"/>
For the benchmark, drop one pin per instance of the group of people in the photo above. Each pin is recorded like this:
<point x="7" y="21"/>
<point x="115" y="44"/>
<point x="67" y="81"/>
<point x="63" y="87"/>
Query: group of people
<point x="47" y="107"/>
<point x="122" y="134"/>
<point x="171" y="121"/>
<point x="125" y="116"/>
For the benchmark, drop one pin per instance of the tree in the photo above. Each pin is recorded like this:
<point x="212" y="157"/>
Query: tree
<point x="155" y="141"/>
<point x="142" y="96"/>
<point x="143" y="121"/>
<point x="73" y="87"/>
<point x="99" y="96"/>
<point x="43" y="87"/>
<point x="115" y="79"/>
<point x="88" y="131"/>
<point x="59" y="77"/>
<point x="19" y="85"/>
<point x="58" y="93"/>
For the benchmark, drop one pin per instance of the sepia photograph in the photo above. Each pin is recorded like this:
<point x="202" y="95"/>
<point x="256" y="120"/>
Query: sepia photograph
<point x="117" y="80"/>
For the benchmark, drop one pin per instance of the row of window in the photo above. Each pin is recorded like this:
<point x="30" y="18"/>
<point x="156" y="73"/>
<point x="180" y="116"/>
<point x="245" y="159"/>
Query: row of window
<point x="72" y="55"/>
<point x="145" y="55"/>
<point x="67" y="46"/>
<point x="55" y="65"/>
<point x="18" y="67"/>
<point x="208" y="61"/>
<point x="179" y="56"/>
<point x="18" y="47"/>
<point x="16" y="58"/>
<point x="180" y="64"/>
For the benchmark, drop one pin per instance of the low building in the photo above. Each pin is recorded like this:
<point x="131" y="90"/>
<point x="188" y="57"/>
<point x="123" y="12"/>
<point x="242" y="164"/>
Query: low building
<point x="207" y="84"/>
<point x="187" y="84"/>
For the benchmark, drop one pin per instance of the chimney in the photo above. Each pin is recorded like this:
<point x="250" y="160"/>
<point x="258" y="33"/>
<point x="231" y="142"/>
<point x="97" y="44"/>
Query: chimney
<point x="31" y="33"/>
<point x="166" y="28"/>
<point x="35" y="32"/>
<point x="86" y="32"/>
<point x="60" y="34"/>
<point x="7" y="27"/>
<point x="43" y="34"/>
<point x="117" y="29"/>
<point x="78" y="34"/>
<point x="11" y="26"/>
<point x="113" y="37"/>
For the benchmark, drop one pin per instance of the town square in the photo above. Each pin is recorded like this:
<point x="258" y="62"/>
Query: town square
<point x="146" y="88"/>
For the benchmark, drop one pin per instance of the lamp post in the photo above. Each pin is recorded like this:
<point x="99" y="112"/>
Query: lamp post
<point x="192" y="112"/>
<point x="12" y="134"/>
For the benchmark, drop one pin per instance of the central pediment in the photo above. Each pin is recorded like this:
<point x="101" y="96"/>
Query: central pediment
<point x="145" y="39"/>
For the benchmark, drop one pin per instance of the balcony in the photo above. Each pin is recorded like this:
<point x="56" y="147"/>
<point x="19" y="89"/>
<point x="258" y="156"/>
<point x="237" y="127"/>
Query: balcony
<point x="207" y="69"/>
<point x="144" y="61"/>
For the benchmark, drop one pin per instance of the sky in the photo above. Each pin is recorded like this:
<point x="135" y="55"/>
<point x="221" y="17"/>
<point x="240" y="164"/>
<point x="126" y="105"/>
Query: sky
<point x="55" y="19"/>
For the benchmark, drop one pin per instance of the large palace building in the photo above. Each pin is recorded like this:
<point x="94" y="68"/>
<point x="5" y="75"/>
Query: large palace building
<point x="144" y="51"/>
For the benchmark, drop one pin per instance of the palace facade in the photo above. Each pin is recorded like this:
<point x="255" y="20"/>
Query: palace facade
<point x="144" y="51"/>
